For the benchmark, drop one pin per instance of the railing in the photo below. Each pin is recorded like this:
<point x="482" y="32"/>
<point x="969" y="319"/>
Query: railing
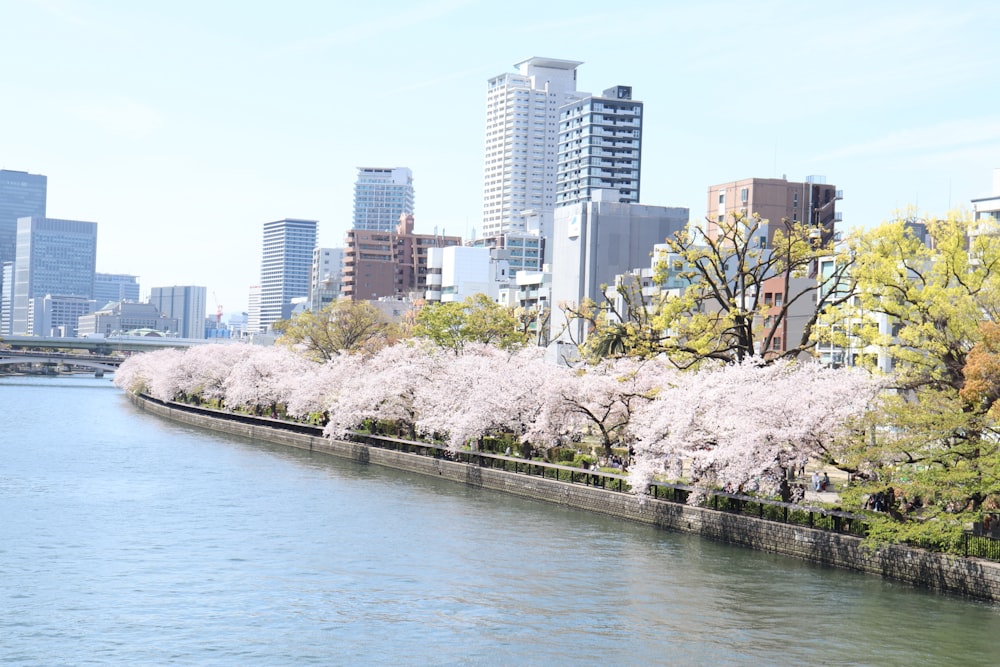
<point x="981" y="546"/>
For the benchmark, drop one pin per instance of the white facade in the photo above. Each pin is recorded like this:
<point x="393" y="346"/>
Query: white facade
<point x="522" y="139"/>
<point x="285" y="268"/>
<point x="253" y="310"/>
<point x="324" y="283"/>
<point x="458" y="272"/>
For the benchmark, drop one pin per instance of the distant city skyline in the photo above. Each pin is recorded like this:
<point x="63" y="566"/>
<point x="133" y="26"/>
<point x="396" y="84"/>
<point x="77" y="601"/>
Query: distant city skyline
<point x="182" y="153"/>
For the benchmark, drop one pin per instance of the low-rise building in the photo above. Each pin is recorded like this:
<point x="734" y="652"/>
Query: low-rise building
<point x="122" y="317"/>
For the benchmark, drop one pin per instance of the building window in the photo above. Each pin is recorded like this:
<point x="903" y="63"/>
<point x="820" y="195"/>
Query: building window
<point x="745" y="195"/>
<point x="776" y="343"/>
<point x="722" y="198"/>
<point x="777" y="298"/>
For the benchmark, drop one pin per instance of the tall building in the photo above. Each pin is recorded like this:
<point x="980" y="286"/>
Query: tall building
<point x="22" y="195"/>
<point x="187" y="304"/>
<point x="600" y="147"/>
<point x="54" y="257"/>
<point x="389" y="264"/>
<point x="286" y="266"/>
<point x="110" y="287"/>
<point x="324" y="284"/>
<point x="381" y="195"/>
<point x="522" y="140"/>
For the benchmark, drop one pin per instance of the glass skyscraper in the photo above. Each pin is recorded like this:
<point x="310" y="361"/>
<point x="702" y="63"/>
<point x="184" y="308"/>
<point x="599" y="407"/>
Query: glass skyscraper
<point x="285" y="268"/>
<point x="56" y="257"/>
<point x="381" y="195"/>
<point x="21" y="195"/>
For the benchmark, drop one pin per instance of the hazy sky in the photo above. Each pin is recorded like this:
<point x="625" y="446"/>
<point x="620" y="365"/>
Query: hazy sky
<point x="181" y="127"/>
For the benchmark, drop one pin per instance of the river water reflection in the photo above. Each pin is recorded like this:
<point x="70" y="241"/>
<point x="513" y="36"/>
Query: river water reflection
<point x="127" y="539"/>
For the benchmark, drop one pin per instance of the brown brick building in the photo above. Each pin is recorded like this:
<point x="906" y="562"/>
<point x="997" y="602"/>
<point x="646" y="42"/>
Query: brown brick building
<point x="388" y="264"/>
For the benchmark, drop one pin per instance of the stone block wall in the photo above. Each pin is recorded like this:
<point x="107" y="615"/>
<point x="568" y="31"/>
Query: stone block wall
<point x="966" y="576"/>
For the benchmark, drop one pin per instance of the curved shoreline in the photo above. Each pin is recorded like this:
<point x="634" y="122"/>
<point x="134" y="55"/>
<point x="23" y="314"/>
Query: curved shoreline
<point x="971" y="577"/>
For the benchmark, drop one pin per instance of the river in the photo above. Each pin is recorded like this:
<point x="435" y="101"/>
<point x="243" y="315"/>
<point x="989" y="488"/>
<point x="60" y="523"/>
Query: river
<point x="127" y="539"/>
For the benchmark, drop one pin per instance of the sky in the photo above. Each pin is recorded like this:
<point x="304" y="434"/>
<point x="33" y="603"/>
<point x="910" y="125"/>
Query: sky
<point x="182" y="127"/>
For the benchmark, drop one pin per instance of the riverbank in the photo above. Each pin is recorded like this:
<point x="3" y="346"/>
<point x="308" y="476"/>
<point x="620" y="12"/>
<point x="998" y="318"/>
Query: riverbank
<point x="942" y="572"/>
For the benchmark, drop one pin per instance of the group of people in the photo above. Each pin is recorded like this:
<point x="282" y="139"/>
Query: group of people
<point x="820" y="482"/>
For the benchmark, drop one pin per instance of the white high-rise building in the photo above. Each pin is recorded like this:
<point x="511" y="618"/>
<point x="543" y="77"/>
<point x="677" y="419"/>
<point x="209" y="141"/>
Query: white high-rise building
<point x="522" y="140"/>
<point x="285" y="267"/>
<point x="381" y="195"/>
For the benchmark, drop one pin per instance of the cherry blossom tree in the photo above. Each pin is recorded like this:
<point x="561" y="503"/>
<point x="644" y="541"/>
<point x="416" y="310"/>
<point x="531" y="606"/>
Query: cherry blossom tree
<point x="483" y="391"/>
<point x="148" y="373"/>
<point x="312" y="392"/>
<point x="602" y="397"/>
<point x="204" y="369"/>
<point x="382" y="388"/>
<point x="745" y="425"/>
<point x="264" y="378"/>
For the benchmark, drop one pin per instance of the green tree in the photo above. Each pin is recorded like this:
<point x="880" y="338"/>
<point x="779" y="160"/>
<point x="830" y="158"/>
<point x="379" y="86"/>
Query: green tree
<point x="932" y="450"/>
<point x="478" y="319"/>
<point x="341" y="326"/>
<point x="721" y="306"/>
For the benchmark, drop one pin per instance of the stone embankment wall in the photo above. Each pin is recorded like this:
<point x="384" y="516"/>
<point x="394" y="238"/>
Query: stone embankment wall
<point x="966" y="576"/>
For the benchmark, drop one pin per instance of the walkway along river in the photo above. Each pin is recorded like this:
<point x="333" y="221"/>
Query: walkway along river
<point x="836" y="547"/>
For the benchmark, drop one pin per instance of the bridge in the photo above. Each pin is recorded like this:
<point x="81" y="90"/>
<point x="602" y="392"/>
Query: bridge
<point x="107" y="344"/>
<point x="99" y="362"/>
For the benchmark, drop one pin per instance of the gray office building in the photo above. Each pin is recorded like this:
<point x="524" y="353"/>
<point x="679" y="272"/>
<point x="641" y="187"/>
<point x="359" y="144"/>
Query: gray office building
<point x="596" y="240"/>
<point x="186" y="304"/>
<point x="21" y="195"/>
<point x="56" y="257"/>
<point x="600" y="147"/>
<point x="111" y="287"/>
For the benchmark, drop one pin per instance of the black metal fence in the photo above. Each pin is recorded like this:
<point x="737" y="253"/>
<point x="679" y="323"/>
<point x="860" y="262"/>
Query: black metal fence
<point x="981" y="546"/>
